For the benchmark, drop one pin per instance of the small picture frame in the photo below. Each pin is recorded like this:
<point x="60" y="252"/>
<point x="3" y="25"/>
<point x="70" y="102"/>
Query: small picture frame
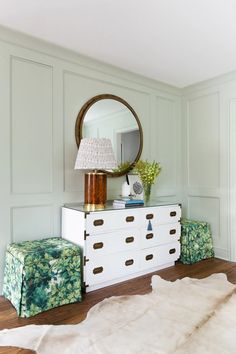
<point x="136" y="187"/>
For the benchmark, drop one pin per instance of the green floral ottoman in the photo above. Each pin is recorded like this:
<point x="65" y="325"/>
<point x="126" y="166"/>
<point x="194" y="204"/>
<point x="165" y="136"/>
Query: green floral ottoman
<point x="40" y="275"/>
<point x="196" y="241"/>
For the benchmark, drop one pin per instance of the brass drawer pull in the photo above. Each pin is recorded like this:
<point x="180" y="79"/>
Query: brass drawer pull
<point x="149" y="257"/>
<point x="98" y="245"/>
<point x="97" y="270"/>
<point x="172" y="232"/>
<point x="149" y="216"/>
<point x="130" y="219"/>
<point x="173" y="213"/>
<point x="172" y="251"/>
<point x="129" y="262"/>
<point x="129" y="239"/>
<point x="98" y="222"/>
<point x="149" y="236"/>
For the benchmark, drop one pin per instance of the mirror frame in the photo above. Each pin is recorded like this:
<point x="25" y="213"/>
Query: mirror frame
<point x="80" y="120"/>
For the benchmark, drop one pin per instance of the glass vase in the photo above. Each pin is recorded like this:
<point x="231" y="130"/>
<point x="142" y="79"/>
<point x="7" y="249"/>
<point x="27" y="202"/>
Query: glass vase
<point x="147" y="192"/>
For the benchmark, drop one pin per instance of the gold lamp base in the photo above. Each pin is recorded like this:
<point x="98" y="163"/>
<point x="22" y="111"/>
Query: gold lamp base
<point x="95" y="190"/>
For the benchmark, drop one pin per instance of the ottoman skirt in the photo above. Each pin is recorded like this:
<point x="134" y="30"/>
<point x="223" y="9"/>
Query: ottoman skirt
<point x="40" y="275"/>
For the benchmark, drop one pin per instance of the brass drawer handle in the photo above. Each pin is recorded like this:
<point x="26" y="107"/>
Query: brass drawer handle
<point x="149" y="236"/>
<point x="97" y="270"/>
<point x="129" y="239"/>
<point x="149" y="257"/>
<point x="173" y="213"/>
<point x="98" y="222"/>
<point x="172" y="232"/>
<point x="172" y="251"/>
<point x="98" y="245"/>
<point x="149" y="216"/>
<point x="129" y="262"/>
<point x="130" y="219"/>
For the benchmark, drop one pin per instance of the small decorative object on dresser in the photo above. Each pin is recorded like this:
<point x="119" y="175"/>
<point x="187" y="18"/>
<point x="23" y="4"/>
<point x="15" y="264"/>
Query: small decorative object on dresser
<point x="136" y="188"/>
<point x="127" y="202"/>
<point x="125" y="192"/>
<point x="148" y="172"/>
<point x="120" y="244"/>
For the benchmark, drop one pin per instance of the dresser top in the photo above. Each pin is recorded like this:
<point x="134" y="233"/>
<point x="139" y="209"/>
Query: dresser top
<point x="109" y="206"/>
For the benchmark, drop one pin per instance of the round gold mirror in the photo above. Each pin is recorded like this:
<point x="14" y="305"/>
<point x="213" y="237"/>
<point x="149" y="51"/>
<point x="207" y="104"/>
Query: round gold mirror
<point x="109" y="116"/>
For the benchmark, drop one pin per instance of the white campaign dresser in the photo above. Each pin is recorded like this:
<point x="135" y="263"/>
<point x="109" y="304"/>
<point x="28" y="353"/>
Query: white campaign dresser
<point x="120" y="244"/>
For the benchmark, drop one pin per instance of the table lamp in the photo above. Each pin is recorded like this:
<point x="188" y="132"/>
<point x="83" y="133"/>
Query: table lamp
<point x="96" y="155"/>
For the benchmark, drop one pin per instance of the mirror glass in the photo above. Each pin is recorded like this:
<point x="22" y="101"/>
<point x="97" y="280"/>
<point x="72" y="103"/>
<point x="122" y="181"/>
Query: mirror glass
<point x="109" y="116"/>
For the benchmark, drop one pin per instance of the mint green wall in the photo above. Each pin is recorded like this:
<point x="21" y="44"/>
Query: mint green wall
<point x="42" y="89"/>
<point x="192" y="132"/>
<point x="209" y="158"/>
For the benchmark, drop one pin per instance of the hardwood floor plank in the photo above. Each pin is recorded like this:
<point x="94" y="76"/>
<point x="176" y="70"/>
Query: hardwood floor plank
<point x="75" y="313"/>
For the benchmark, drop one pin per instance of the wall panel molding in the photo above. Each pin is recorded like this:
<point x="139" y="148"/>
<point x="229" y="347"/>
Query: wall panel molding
<point x="232" y="176"/>
<point x="165" y="137"/>
<point x="13" y="39"/>
<point x="31" y="222"/>
<point x="207" y="160"/>
<point x="104" y="80"/>
<point x="31" y="126"/>
<point x="203" y="141"/>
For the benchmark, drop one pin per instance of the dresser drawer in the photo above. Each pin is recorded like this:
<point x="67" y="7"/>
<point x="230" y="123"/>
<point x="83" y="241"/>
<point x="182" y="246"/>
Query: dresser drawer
<point x="112" y="242"/>
<point x="160" y="234"/>
<point x="101" y="222"/>
<point x="149" y="258"/>
<point x="168" y="253"/>
<point x="161" y="215"/>
<point x="157" y="256"/>
<point x="112" y="266"/>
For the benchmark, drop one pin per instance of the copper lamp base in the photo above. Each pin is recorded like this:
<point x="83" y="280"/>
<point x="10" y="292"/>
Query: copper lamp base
<point x="95" y="189"/>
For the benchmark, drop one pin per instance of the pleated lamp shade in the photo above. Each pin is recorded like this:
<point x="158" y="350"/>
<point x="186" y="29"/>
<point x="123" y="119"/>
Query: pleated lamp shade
<point x="95" y="154"/>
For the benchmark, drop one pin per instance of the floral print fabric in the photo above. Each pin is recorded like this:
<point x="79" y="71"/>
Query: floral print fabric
<point x="42" y="274"/>
<point x="196" y="241"/>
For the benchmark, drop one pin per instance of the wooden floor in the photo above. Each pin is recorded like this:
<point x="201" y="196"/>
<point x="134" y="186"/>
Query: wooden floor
<point x="72" y="314"/>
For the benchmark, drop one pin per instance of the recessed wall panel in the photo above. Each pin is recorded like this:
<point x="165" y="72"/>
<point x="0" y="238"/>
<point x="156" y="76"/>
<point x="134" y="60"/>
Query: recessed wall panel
<point x="31" y="127"/>
<point x="164" y="143"/>
<point x="203" y="141"/>
<point x="32" y="223"/>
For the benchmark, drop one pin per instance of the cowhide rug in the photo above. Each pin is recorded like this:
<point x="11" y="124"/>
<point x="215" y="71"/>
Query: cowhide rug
<point x="186" y="316"/>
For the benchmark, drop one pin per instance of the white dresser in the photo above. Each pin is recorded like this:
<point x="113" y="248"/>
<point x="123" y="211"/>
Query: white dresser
<point x="120" y="244"/>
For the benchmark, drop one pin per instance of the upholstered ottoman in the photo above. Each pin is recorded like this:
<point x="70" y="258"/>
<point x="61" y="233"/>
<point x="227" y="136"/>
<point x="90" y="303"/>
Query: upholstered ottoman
<point x="40" y="275"/>
<point x="196" y="241"/>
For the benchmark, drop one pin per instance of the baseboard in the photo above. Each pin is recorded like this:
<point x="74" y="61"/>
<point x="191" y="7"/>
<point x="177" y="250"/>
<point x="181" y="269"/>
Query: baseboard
<point x="222" y="253"/>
